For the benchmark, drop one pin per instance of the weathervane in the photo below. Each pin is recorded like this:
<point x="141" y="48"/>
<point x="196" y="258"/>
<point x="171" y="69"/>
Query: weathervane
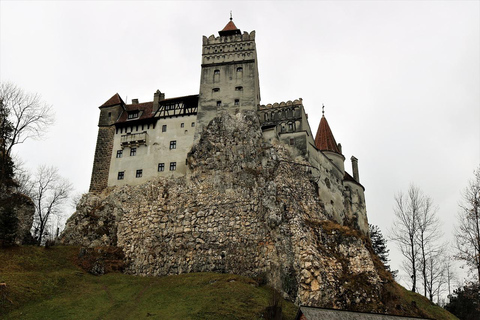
<point x="231" y="15"/>
<point x="323" y="110"/>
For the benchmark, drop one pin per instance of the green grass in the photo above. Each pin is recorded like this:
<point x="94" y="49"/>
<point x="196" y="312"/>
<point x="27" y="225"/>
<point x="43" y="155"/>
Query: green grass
<point x="46" y="284"/>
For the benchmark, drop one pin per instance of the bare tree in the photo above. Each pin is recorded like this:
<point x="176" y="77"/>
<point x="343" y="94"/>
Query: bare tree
<point x="467" y="232"/>
<point x="435" y="275"/>
<point x="49" y="192"/>
<point x="427" y="236"/>
<point x="405" y="229"/>
<point x="27" y="114"/>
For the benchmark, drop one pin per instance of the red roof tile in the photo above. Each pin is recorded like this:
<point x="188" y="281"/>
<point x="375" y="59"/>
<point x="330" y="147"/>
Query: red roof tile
<point x="146" y="109"/>
<point x="324" y="139"/>
<point x="230" y="29"/>
<point x="230" y="26"/>
<point x="116" y="99"/>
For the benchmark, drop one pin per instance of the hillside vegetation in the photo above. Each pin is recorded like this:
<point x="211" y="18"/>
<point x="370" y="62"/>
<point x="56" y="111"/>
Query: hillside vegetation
<point x="47" y="284"/>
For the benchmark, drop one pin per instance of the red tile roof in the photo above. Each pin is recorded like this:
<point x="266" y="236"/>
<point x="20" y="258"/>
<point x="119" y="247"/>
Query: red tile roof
<point x="116" y="99"/>
<point x="230" y="29"/>
<point x="230" y="26"/>
<point x="324" y="139"/>
<point x="146" y="109"/>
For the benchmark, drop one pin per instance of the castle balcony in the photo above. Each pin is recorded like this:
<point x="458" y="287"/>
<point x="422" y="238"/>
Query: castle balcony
<point x="135" y="139"/>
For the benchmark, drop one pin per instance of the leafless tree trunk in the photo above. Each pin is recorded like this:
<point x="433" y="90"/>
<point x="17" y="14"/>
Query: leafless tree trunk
<point x="427" y="235"/>
<point x="467" y="232"/>
<point x="435" y="274"/>
<point x="29" y="116"/>
<point x="405" y="229"/>
<point x="49" y="192"/>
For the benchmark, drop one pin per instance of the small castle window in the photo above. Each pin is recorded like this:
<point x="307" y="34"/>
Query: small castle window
<point x="216" y="89"/>
<point x="237" y="102"/>
<point x="161" y="167"/>
<point x="219" y="103"/>
<point x="119" y="153"/>
<point x="120" y="175"/>
<point x="164" y="128"/>
<point x="290" y="126"/>
<point x="133" y="115"/>
<point x="292" y="142"/>
<point x="173" y="166"/>
<point x="238" y="88"/>
<point x="182" y="125"/>
<point x="216" y="72"/>
<point x="173" y="144"/>
<point x="240" y="69"/>
<point x="109" y="115"/>
<point x="193" y="124"/>
<point x="139" y="173"/>
<point x="133" y="152"/>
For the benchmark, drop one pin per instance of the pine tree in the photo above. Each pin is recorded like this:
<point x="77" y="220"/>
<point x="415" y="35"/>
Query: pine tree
<point x="379" y="245"/>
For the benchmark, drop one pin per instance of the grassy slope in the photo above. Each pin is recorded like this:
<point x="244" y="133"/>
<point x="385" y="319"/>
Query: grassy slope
<point x="46" y="284"/>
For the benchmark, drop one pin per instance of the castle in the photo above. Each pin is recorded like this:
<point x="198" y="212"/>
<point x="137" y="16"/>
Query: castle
<point x="143" y="140"/>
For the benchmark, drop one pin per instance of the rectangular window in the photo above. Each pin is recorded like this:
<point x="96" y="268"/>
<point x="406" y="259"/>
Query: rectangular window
<point x="161" y="167"/>
<point x="139" y="173"/>
<point x="193" y="124"/>
<point x="119" y="153"/>
<point x="121" y="174"/>
<point x="215" y="89"/>
<point x="173" y="144"/>
<point x="292" y="142"/>
<point x="216" y="72"/>
<point x="290" y="126"/>
<point x="219" y="103"/>
<point x="237" y="102"/>
<point x="182" y="125"/>
<point x="133" y="115"/>
<point x="239" y="69"/>
<point x="164" y="128"/>
<point x="133" y="152"/>
<point x="173" y="166"/>
<point x="238" y="88"/>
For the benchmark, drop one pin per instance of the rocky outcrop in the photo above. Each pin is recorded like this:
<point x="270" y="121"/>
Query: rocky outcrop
<point x="247" y="206"/>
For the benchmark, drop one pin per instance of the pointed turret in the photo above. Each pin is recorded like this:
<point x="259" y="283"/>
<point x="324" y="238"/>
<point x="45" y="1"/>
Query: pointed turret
<point x="325" y="142"/>
<point x="230" y="29"/>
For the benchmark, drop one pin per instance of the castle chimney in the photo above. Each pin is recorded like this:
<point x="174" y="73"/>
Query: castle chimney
<point x="339" y="147"/>
<point x="134" y="101"/>
<point x="157" y="97"/>
<point x="355" y="168"/>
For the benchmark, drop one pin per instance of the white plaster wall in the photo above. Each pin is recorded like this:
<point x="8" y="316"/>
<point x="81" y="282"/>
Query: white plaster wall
<point x="157" y="150"/>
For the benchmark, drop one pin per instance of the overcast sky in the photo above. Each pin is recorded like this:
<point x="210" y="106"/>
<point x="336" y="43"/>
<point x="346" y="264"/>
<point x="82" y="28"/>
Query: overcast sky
<point x="400" y="80"/>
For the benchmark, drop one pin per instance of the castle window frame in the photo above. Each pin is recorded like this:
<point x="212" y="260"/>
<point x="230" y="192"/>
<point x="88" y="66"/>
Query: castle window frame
<point x="161" y="167"/>
<point x="216" y="72"/>
<point x="236" y="102"/>
<point x="290" y="126"/>
<point x="215" y="89"/>
<point x="164" y="128"/>
<point x="133" y="152"/>
<point x="119" y="154"/>
<point x="173" y="166"/>
<point x="139" y="173"/>
<point x="240" y="69"/>
<point x="182" y="125"/>
<point x="219" y="103"/>
<point x="173" y="144"/>
<point x="121" y="175"/>
<point x="133" y="114"/>
<point x="292" y="141"/>
<point x="239" y="88"/>
<point x="193" y="124"/>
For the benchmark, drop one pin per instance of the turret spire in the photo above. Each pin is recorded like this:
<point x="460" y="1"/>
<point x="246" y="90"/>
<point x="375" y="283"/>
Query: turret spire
<point x="324" y="139"/>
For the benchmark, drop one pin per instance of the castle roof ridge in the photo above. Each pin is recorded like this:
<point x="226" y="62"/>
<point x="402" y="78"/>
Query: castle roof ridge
<point x="114" y="100"/>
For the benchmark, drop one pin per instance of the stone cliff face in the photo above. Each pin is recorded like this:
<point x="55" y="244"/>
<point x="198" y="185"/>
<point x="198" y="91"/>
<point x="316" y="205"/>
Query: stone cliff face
<point x="247" y="206"/>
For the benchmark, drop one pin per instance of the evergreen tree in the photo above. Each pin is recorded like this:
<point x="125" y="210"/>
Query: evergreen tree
<point x="465" y="302"/>
<point x="8" y="225"/>
<point x="379" y="245"/>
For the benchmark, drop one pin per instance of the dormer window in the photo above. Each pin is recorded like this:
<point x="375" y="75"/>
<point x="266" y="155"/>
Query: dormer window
<point x="133" y="114"/>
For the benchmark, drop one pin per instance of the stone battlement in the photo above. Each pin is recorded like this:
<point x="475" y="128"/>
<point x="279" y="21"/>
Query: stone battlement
<point x="296" y="102"/>
<point x="233" y="38"/>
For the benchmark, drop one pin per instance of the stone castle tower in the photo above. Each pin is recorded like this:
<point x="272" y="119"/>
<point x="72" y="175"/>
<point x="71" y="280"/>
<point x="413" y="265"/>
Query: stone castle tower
<point x="229" y="77"/>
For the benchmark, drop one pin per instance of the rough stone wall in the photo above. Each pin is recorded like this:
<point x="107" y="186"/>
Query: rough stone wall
<point x="101" y="162"/>
<point x="246" y="206"/>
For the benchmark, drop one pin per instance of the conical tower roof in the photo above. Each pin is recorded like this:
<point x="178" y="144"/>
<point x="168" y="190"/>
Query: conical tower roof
<point x="114" y="100"/>
<point x="230" y="29"/>
<point x="324" y="140"/>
